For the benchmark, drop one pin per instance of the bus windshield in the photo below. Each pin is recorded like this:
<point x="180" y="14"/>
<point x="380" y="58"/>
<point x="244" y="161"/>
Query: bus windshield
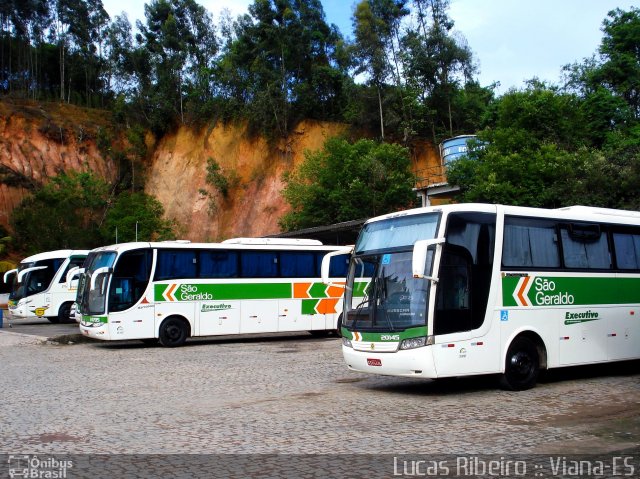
<point x="393" y="233"/>
<point x="34" y="281"/>
<point x="382" y="294"/>
<point x="91" y="297"/>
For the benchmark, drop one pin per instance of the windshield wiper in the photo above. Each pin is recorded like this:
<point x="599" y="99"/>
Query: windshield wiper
<point x="364" y="301"/>
<point x="383" y="300"/>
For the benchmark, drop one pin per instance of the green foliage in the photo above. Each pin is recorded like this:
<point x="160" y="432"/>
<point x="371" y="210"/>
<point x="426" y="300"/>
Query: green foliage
<point x="282" y="66"/>
<point x="543" y="112"/>
<point x="539" y="153"/>
<point x="216" y="178"/>
<point x="514" y="170"/>
<point x="550" y="147"/>
<point x="74" y="211"/>
<point x="135" y="217"/>
<point x="63" y="214"/>
<point x="620" y="49"/>
<point x="347" y="181"/>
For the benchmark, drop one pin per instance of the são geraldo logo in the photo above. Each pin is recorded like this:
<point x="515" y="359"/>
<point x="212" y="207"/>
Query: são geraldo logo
<point x="546" y="293"/>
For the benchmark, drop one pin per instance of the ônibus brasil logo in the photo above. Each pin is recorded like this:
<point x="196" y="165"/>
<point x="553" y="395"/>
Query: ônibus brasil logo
<point x="545" y="293"/>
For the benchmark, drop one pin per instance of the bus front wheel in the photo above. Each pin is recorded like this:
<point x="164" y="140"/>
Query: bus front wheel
<point x="64" y="314"/>
<point x="173" y="332"/>
<point x="522" y="365"/>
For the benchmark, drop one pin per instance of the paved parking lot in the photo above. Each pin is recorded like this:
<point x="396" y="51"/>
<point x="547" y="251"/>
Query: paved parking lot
<point x="289" y="395"/>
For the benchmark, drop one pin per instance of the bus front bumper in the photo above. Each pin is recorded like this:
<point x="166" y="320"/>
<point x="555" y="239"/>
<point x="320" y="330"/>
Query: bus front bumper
<point x="416" y="362"/>
<point x="95" y="331"/>
<point x="23" y="311"/>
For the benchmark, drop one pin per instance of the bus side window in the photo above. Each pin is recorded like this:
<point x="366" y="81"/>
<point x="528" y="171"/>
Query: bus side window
<point x="585" y="247"/>
<point x="259" y="264"/>
<point x="530" y="243"/>
<point x="339" y="266"/>
<point x="176" y="264"/>
<point x="218" y="264"/>
<point x="73" y="263"/>
<point x="627" y="247"/>
<point x="297" y="264"/>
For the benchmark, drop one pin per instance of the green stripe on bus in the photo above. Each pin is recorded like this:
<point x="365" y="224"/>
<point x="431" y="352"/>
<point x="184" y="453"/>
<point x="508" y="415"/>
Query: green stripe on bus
<point x="208" y="292"/>
<point x="386" y="337"/>
<point x="359" y="287"/>
<point x="309" y="306"/>
<point x="95" y="319"/>
<point x="571" y="291"/>
<point x="318" y="290"/>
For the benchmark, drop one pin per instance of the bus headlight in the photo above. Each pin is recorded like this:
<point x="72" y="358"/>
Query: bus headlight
<point x="413" y="343"/>
<point x="346" y="342"/>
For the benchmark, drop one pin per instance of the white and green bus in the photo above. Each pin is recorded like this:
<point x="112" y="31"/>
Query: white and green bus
<point x="170" y="291"/>
<point x="473" y="289"/>
<point x="40" y="287"/>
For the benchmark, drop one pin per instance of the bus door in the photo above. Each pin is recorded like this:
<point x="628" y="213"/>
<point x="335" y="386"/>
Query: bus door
<point x="464" y="279"/>
<point x="131" y="311"/>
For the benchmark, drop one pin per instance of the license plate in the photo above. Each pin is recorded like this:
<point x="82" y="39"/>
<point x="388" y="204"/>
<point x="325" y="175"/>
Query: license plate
<point x="374" y="362"/>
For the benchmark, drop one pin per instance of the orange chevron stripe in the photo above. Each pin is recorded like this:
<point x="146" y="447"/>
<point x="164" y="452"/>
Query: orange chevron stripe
<point x="301" y="290"/>
<point x="172" y="288"/>
<point x="335" y="291"/>
<point x="520" y="294"/>
<point x="327" y="306"/>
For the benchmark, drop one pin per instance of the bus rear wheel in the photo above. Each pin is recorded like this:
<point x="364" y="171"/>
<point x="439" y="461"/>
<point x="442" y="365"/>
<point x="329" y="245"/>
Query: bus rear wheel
<point x="522" y="365"/>
<point x="173" y="332"/>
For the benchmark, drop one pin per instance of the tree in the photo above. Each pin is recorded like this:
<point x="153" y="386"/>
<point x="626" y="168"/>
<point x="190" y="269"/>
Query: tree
<point x="283" y="65"/>
<point x="437" y="63"/>
<point x="74" y="211"/>
<point x="376" y="26"/>
<point x="347" y="181"/>
<point x="539" y="152"/>
<point x="179" y="48"/>
<point x="135" y="217"/>
<point x="62" y="214"/>
<point x="620" y="48"/>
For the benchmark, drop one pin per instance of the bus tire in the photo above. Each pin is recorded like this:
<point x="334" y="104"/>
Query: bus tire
<point x="339" y="326"/>
<point x="174" y="332"/>
<point x="522" y="365"/>
<point x="64" y="314"/>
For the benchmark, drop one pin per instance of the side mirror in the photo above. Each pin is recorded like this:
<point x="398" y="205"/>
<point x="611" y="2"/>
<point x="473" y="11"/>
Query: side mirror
<point x="28" y="270"/>
<point x="76" y="271"/>
<point x="326" y="264"/>
<point x="419" y="258"/>
<point x="9" y="273"/>
<point x="96" y="273"/>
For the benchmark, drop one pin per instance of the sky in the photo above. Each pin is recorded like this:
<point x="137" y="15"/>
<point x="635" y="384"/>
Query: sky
<point x="511" y="40"/>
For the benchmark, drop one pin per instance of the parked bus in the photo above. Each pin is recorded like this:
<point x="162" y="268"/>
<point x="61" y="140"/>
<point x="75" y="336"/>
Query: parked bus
<point x="39" y="286"/>
<point x="171" y="291"/>
<point x="471" y="289"/>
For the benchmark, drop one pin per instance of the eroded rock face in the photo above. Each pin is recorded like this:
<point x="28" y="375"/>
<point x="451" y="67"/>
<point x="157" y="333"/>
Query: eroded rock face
<point x="177" y="177"/>
<point x="36" y="145"/>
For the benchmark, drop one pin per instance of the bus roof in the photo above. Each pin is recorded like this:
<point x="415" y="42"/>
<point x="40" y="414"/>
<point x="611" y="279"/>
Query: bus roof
<point x="274" y="241"/>
<point x="60" y="253"/>
<point x="258" y="244"/>
<point x="575" y="213"/>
